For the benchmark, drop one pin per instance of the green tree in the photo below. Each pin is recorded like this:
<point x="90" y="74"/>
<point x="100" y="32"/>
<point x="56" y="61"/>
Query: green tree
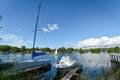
<point x="82" y="51"/>
<point x="104" y="49"/>
<point x="23" y="49"/>
<point x="69" y="50"/>
<point x="76" y="50"/>
<point x="116" y="49"/>
<point x="95" y="50"/>
<point x="37" y="48"/>
<point x="14" y="49"/>
<point x="5" y="48"/>
<point x="62" y="50"/>
<point x="28" y="50"/>
<point x="111" y="50"/>
<point x="46" y="49"/>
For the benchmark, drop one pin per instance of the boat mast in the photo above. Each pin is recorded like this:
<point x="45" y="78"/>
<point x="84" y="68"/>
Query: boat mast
<point x="36" y="26"/>
<point x="1" y="16"/>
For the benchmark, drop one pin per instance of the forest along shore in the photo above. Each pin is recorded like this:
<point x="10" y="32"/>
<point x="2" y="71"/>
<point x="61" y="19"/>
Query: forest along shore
<point x="6" y="49"/>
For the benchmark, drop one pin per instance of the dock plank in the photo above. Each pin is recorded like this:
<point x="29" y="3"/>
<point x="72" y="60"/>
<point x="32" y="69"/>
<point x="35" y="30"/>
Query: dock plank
<point x="29" y="73"/>
<point x="71" y="73"/>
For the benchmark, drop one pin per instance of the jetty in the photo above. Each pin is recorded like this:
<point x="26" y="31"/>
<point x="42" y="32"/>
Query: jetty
<point x="73" y="74"/>
<point x="26" y="70"/>
<point x="115" y="57"/>
<point x="115" y="61"/>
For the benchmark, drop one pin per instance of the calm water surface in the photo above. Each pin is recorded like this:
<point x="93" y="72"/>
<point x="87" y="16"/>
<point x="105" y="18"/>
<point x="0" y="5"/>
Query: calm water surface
<point x="91" y="62"/>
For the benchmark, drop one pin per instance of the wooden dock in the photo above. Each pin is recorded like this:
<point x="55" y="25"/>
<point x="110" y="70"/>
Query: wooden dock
<point x="71" y="74"/>
<point x="115" y="57"/>
<point x="115" y="61"/>
<point x="28" y="73"/>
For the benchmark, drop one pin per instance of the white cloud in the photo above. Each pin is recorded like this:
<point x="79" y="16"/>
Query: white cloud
<point x="53" y="27"/>
<point x="45" y="30"/>
<point x="50" y="28"/>
<point x="14" y="40"/>
<point x="99" y="42"/>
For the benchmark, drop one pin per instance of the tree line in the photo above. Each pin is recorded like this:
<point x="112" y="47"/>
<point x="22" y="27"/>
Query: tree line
<point x="23" y="49"/>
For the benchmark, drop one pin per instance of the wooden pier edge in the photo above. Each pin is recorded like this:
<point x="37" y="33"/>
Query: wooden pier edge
<point x="29" y="73"/>
<point x="115" y="61"/>
<point x="73" y="74"/>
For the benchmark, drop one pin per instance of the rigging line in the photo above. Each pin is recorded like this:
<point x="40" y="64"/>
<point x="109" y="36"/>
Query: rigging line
<point x="36" y="25"/>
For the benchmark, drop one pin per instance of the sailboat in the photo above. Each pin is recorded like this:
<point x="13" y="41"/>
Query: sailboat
<point x="21" y="65"/>
<point x="56" y="52"/>
<point x="36" y="53"/>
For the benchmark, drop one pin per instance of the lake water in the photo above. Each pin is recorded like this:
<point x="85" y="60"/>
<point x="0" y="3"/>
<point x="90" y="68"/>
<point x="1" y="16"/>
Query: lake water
<point x="91" y="62"/>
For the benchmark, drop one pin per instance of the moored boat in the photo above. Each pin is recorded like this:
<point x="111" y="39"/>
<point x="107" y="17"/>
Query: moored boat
<point x="66" y="63"/>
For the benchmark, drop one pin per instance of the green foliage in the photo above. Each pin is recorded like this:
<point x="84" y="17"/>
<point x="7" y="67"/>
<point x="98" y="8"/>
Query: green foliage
<point x="116" y="71"/>
<point x="14" y="49"/>
<point x="117" y="74"/>
<point x="28" y="50"/>
<point x="104" y="49"/>
<point x="69" y="50"/>
<point x="116" y="49"/>
<point x="46" y="50"/>
<point x="5" y="48"/>
<point x="111" y="50"/>
<point x="62" y="50"/>
<point x="82" y="51"/>
<point x="96" y="50"/>
<point x="23" y="49"/>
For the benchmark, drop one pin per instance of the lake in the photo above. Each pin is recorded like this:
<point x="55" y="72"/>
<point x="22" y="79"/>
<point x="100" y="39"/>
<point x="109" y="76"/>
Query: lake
<point x="92" y="63"/>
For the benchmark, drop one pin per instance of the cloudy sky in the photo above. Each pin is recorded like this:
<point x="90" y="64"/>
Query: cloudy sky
<point x="69" y="23"/>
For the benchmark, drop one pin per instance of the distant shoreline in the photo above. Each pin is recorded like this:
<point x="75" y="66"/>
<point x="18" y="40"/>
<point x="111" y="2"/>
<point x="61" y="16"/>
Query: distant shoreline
<point x="7" y="49"/>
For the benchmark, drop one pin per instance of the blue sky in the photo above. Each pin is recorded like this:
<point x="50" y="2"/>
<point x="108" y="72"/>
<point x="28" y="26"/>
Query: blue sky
<point x="79" y="23"/>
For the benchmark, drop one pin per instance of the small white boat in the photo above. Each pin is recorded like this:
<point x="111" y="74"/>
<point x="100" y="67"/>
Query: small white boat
<point x="66" y="63"/>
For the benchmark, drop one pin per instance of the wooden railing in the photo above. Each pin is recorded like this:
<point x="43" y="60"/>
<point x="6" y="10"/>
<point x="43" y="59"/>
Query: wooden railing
<point x="115" y="57"/>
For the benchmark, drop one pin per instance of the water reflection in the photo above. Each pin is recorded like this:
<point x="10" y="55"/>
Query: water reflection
<point x="95" y="60"/>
